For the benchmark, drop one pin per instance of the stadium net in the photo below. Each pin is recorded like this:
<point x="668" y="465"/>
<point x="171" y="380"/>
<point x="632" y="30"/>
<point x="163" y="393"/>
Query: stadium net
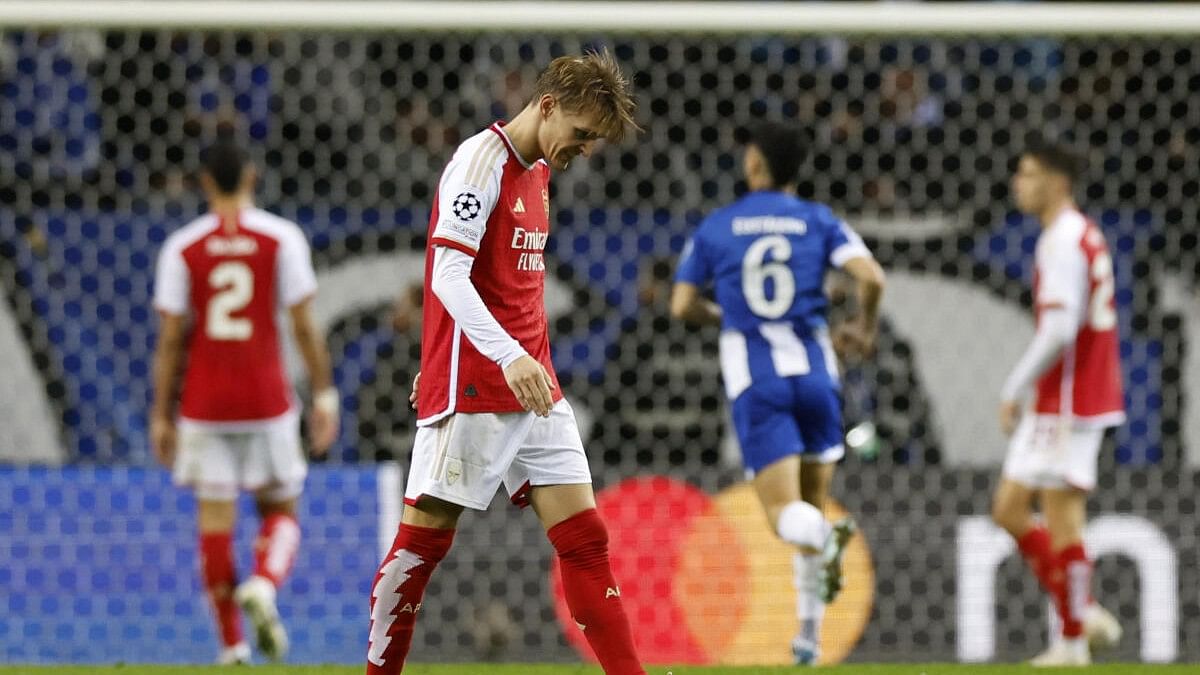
<point x="352" y="110"/>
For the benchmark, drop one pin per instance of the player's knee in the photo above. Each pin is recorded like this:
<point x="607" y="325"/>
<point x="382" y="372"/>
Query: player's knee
<point x="1005" y="515"/>
<point x="773" y="512"/>
<point x="432" y="512"/>
<point x="581" y="534"/>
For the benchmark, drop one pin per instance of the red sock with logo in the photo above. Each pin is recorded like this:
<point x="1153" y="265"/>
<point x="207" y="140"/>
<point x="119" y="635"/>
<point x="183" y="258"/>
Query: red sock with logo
<point x="276" y="546"/>
<point x="1039" y="554"/>
<point x="219" y="574"/>
<point x="1076" y="572"/>
<point x="591" y="592"/>
<point x="397" y="592"/>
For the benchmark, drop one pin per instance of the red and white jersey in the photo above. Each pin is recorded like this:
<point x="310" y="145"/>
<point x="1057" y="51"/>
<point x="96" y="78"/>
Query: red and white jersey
<point x="232" y="279"/>
<point x="1074" y="271"/>
<point x="493" y="205"/>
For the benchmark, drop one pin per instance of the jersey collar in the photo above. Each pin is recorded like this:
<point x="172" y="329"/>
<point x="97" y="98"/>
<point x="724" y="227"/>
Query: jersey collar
<point x="498" y="128"/>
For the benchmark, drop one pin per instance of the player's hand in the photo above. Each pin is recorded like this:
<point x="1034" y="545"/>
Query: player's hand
<point x="323" y="421"/>
<point x="1010" y="414"/>
<point x="412" y="398"/>
<point x="162" y="440"/>
<point x="531" y="384"/>
<point x="854" y="341"/>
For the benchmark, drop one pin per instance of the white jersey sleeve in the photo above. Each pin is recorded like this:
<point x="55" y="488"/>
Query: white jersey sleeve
<point x="172" y="282"/>
<point x="295" y="276"/>
<point x="852" y="247"/>
<point x="295" y="279"/>
<point x="469" y="190"/>
<point x="842" y="242"/>
<point x="1062" y="268"/>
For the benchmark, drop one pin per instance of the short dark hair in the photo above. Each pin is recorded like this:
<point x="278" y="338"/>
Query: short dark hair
<point x="1057" y="156"/>
<point x="783" y="146"/>
<point x="225" y="160"/>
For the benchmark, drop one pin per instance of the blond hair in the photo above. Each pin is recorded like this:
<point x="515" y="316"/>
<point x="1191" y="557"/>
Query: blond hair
<point x="591" y="83"/>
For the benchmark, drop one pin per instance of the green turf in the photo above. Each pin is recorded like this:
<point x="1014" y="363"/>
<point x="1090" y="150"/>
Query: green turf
<point x="529" y="669"/>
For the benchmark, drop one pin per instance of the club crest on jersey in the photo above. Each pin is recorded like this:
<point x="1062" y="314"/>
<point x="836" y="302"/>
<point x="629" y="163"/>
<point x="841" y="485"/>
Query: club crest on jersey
<point x="466" y="206"/>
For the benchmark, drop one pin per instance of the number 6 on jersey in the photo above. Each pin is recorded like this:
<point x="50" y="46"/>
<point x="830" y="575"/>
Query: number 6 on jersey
<point x="756" y="271"/>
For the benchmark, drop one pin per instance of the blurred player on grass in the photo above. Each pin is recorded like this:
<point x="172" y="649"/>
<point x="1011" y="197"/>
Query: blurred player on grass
<point x="232" y="423"/>
<point x="1072" y="369"/>
<point x="766" y="256"/>
<point x="489" y="406"/>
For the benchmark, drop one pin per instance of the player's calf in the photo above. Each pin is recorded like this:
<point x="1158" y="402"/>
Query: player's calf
<point x="810" y="609"/>
<point x="592" y="594"/>
<point x="219" y="576"/>
<point x="397" y="593"/>
<point x="276" y="547"/>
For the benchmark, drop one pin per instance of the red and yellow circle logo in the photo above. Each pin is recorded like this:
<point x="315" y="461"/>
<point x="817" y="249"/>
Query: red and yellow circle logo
<point x="704" y="580"/>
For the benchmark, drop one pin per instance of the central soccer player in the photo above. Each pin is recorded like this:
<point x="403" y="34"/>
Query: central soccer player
<point x="489" y="407"/>
<point x="766" y="256"/>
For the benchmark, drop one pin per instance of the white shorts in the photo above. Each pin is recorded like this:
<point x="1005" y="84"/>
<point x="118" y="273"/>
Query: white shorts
<point x="217" y="464"/>
<point x="1045" y="452"/>
<point x="464" y="457"/>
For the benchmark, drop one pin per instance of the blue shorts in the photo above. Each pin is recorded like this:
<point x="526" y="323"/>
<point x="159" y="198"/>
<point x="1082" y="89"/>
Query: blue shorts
<point x="779" y="417"/>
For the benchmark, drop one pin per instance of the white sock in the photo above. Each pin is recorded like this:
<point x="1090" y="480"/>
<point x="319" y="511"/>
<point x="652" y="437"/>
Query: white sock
<point x="809" y="608"/>
<point x="803" y="524"/>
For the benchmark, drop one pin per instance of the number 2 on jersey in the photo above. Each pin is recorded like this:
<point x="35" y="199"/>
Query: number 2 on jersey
<point x="234" y="286"/>
<point x="1101" y="315"/>
<point x="756" y="271"/>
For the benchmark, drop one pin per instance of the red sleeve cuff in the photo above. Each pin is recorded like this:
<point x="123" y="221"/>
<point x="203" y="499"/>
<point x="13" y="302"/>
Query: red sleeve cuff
<point x="456" y="245"/>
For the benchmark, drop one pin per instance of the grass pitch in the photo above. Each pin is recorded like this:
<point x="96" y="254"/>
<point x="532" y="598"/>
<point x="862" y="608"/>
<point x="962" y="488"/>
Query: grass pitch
<point x="549" y="669"/>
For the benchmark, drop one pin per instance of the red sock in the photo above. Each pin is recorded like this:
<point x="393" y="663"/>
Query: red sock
<point x="276" y="546"/>
<point x="397" y="591"/>
<point x="591" y="592"/>
<point x="1076" y="589"/>
<point x="1038" y="552"/>
<point x="220" y="576"/>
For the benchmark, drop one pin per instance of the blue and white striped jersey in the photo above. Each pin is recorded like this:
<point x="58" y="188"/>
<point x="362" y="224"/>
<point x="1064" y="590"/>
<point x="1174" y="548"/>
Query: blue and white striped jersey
<point x="767" y="255"/>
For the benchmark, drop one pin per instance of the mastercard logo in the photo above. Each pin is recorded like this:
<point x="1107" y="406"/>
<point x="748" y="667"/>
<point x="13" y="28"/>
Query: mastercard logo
<point x="704" y="580"/>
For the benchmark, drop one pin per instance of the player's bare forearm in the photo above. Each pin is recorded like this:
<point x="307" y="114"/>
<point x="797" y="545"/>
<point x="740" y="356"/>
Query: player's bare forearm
<point x="168" y="357"/>
<point x="688" y="305"/>
<point x="323" y="422"/>
<point x="311" y="344"/>
<point x="869" y="283"/>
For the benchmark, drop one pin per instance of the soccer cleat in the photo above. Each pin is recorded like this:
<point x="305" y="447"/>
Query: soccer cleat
<point x="831" y="558"/>
<point x="1101" y="627"/>
<point x="805" y="652"/>
<point x="237" y="655"/>
<point x="256" y="596"/>
<point x="1063" y="653"/>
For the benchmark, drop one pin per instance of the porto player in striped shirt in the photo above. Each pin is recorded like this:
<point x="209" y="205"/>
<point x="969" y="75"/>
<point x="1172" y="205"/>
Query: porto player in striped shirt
<point x="489" y="406"/>
<point x="232" y="423"/>
<point x="1071" y="372"/>
<point x="766" y="257"/>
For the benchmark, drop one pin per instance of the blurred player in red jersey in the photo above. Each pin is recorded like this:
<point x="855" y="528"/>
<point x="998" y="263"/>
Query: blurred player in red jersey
<point x="489" y="406"/>
<point x="1073" y="367"/>
<point x="219" y="284"/>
